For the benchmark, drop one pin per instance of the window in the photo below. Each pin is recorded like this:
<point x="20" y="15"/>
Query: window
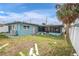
<point x="26" y="27"/>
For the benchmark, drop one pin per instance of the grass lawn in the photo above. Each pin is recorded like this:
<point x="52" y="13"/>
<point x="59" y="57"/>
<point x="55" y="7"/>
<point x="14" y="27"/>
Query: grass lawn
<point x="48" y="45"/>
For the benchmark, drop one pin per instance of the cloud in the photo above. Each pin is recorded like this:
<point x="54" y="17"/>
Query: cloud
<point x="2" y="16"/>
<point x="37" y="17"/>
<point x="2" y="12"/>
<point x="54" y="20"/>
<point x="33" y="14"/>
<point x="47" y="12"/>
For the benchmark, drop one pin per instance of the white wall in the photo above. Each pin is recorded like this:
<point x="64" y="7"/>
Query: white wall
<point x="4" y="29"/>
<point x="74" y="36"/>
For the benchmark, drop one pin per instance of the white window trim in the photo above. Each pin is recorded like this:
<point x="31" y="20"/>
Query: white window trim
<point x="26" y="27"/>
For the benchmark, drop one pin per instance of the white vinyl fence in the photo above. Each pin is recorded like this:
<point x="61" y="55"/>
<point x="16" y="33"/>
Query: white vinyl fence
<point x="74" y="36"/>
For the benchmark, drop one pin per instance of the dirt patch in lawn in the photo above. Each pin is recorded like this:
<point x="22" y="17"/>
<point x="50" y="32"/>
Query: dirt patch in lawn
<point x="16" y="49"/>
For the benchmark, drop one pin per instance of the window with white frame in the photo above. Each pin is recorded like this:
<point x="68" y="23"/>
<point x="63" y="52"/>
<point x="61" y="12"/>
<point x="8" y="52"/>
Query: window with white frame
<point x="26" y="27"/>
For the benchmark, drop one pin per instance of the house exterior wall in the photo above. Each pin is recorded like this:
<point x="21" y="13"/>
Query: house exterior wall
<point x="74" y="35"/>
<point x="22" y="31"/>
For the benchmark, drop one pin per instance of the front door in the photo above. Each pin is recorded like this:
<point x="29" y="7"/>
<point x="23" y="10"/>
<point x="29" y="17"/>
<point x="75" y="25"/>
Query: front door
<point x="34" y="30"/>
<point x="13" y="30"/>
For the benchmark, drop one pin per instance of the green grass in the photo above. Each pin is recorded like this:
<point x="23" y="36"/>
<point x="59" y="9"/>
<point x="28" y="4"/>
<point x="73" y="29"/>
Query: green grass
<point x="24" y="51"/>
<point x="52" y="36"/>
<point x="48" y="45"/>
<point x="3" y="36"/>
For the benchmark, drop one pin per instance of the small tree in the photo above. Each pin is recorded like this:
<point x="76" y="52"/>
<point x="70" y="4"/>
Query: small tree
<point x="67" y="13"/>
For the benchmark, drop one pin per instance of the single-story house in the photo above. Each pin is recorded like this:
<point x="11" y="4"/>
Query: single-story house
<point x="22" y="28"/>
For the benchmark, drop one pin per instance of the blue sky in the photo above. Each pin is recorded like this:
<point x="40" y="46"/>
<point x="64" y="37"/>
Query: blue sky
<point x="36" y="12"/>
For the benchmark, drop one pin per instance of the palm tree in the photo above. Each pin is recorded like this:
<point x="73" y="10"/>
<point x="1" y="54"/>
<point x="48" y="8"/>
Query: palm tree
<point x="67" y="13"/>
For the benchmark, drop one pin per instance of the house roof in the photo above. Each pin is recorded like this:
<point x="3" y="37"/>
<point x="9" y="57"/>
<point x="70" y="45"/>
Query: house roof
<point x="19" y="22"/>
<point x="53" y="25"/>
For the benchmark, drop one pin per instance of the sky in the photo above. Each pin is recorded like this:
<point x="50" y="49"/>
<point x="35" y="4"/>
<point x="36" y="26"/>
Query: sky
<point x="28" y="12"/>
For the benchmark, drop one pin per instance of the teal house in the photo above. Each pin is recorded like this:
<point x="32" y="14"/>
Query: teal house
<point x="22" y="28"/>
<point x="19" y="28"/>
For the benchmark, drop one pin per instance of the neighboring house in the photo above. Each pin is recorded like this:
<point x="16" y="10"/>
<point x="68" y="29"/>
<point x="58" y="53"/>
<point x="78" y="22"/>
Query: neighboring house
<point x="22" y="28"/>
<point x="3" y="28"/>
<point x="74" y="35"/>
